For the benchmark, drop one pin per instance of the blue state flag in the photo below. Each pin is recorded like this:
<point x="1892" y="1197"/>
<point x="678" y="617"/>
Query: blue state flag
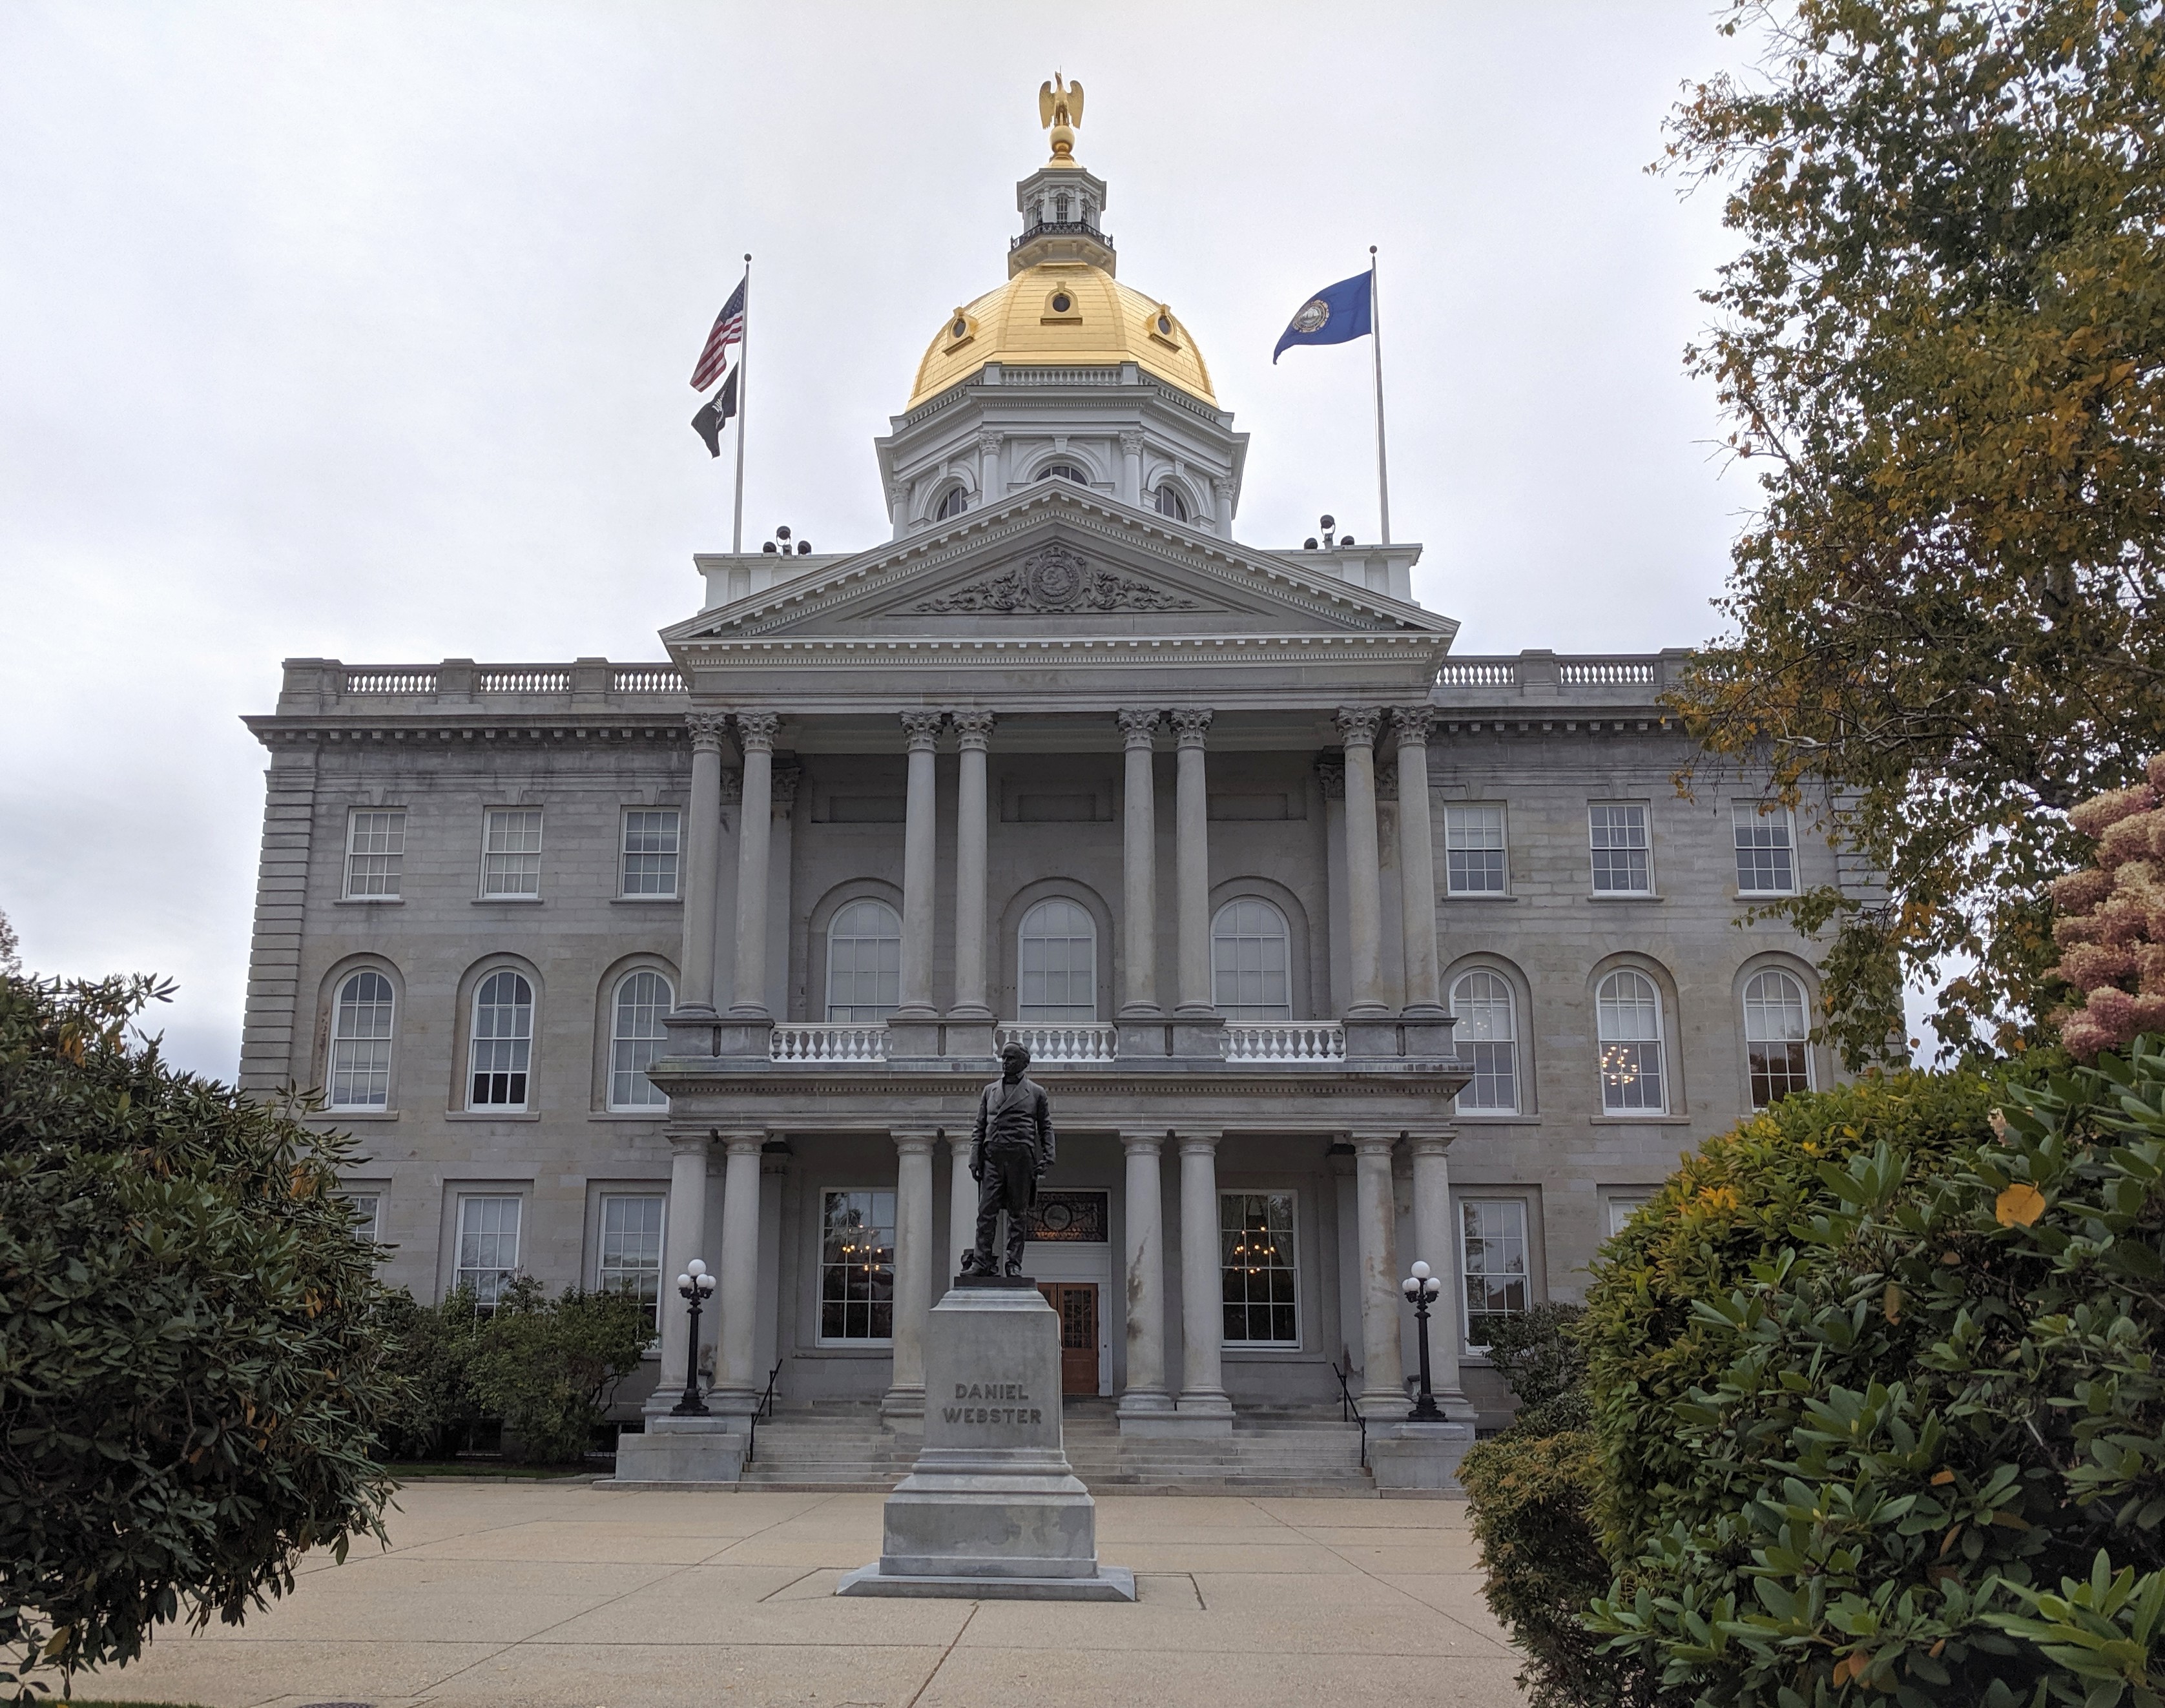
<point x="1333" y="315"/>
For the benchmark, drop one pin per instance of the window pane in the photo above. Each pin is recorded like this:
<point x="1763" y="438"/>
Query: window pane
<point x="489" y="1247"/>
<point x="1618" y="837"/>
<point x="502" y="1042"/>
<point x="375" y="852"/>
<point x="1765" y="862"/>
<point x="1622" y="1210"/>
<point x="864" y="962"/>
<point x="1473" y="850"/>
<point x="1059" y="964"/>
<point x="636" y="1038"/>
<point x="631" y="1247"/>
<point x="511" y="852"/>
<point x="1495" y="1243"/>
<point x="1487" y="1033"/>
<point x="856" y="1267"/>
<point x="1250" y="974"/>
<point x="1777" y="1028"/>
<point x="1628" y="1011"/>
<point x="361" y="1043"/>
<point x="650" y="851"/>
<point x="1260" y="1276"/>
<point x="367" y="1213"/>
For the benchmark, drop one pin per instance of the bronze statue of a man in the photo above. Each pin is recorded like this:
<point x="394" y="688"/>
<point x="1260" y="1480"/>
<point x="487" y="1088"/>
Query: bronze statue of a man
<point x="1013" y="1147"/>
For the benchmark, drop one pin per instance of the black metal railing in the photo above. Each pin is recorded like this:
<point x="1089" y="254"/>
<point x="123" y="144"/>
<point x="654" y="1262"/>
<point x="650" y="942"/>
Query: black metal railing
<point x="1351" y="1413"/>
<point x="764" y="1409"/>
<point x="1062" y="228"/>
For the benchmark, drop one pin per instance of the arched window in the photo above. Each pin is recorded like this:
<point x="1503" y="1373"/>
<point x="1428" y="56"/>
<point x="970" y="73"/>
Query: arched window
<point x="864" y="962"/>
<point x="1777" y="1028"/>
<point x="952" y="502"/>
<point x="636" y="1037"/>
<point x="360" y="1043"/>
<point x="1486" y="1033"/>
<point x="503" y="1045"/>
<point x="1629" y="1015"/>
<point x="1064" y="471"/>
<point x="1171" y="503"/>
<point x="1059" y="209"/>
<point x="1059" y="965"/>
<point x="1251" y="962"/>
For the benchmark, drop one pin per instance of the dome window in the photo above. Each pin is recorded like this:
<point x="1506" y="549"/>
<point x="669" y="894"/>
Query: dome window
<point x="1171" y="503"/>
<point x="961" y="328"/>
<point x="1064" y="471"/>
<point x="1062" y="303"/>
<point x="952" y="502"/>
<point x="1164" y="327"/>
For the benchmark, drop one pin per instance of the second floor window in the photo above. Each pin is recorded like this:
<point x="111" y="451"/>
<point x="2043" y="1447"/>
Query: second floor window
<point x="1622" y="860"/>
<point x="511" y="853"/>
<point x="360" y="1043"/>
<point x="864" y="963"/>
<point x="1776" y="1030"/>
<point x="1628" y="1010"/>
<point x="1251" y="962"/>
<point x="636" y="1037"/>
<point x="650" y="850"/>
<point x="502" y="1044"/>
<point x="1766" y="863"/>
<point x="1058" y="963"/>
<point x="1473" y="850"/>
<point x="375" y="853"/>
<point x="1487" y="1033"/>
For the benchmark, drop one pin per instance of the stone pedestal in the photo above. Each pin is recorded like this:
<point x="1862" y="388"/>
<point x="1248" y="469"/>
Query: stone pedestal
<point x="992" y="1510"/>
<point x="676" y="1449"/>
<point x="1419" y="1459"/>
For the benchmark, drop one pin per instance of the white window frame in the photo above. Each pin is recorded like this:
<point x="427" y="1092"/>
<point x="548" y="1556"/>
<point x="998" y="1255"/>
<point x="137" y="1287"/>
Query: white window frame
<point x="1023" y="1007"/>
<point x="1752" y="1040"/>
<point x="1252" y="1013"/>
<point x="626" y="853"/>
<point x="605" y="1273"/>
<point x="1454" y="828"/>
<point x="386" y="884"/>
<point x="490" y="829"/>
<point x="475" y="1040"/>
<point x="340" y="1043"/>
<point x="1645" y="848"/>
<point x="1171" y="502"/>
<point x="951" y="503"/>
<point x="1659" y="1043"/>
<point x="460" y="1268"/>
<point x="879" y="974"/>
<point x="1619" y="1208"/>
<point x="1744" y="816"/>
<point x="820" y="1266"/>
<point x="1293" y="1231"/>
<point x="1462" y="1039"/>
<point x="624" y="1047"/>
<point x="1526" y="1273"/>
<point x="372" y="1229"/>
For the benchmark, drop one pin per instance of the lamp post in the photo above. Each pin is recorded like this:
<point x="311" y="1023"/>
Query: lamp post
<point x="1422" y="1289"/>
<point x="695" y="1287"/>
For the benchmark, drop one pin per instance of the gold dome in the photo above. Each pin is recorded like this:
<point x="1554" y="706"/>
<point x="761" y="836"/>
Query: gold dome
<point x="1024" y="324"/>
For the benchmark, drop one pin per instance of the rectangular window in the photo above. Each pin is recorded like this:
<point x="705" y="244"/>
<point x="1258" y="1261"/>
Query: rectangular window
<point x="1494" y="1250"/>
<point x="1622" y="1209"/>
<point x="856" y="1267"/>
<point x="631" y="1247"/>
<point x="375" y="853"/>
<point x="1473" y="850"/>
<point x="488" y="1248"/>
<point x="650" y="851"/>
<point x="1261" y="1278"/>
<point x="367" y="1213"/>
<point x="1622" y="865"/>
<point x="511" y="853"/>
<point x="1766" y="861"/>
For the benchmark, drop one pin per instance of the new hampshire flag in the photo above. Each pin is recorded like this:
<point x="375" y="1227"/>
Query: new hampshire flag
<point x="1336" y="314"/>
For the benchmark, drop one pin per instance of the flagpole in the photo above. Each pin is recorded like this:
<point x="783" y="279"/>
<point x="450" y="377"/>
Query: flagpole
<point x="1376" y="338"/>
<point x="744" y="410"/>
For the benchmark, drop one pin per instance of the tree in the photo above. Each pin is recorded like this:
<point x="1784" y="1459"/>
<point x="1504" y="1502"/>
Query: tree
<point x="547" y="1366"/>
<point x="1944" y="346"/>
<point x="2110" y="926"/>
<point x="190" y="1384"/>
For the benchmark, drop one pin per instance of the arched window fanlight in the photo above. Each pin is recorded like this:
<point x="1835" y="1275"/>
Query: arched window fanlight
<point x="360" y="1043"/>
<point x="1628" y="1013"/>
<point x="636" y="1037"/>
<point x="1171" y="503"/>
<point x="1251" y="962"/>
<point x="1058" y="965"/>
<point x="952" y="502"/>
<point x="502" y="1045"/>
<point x="864" y="963"/>
<point x="1776" y="1030"/>
<point x="1488" y="1031"/>
<point x="1064" y="471"/>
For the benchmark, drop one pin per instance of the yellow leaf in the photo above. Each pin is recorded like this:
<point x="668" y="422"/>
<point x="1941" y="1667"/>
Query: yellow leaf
<point x="2018" y="1206"/>
<point x="1892" y="1303"/>
<point x="1939" y="1478"/>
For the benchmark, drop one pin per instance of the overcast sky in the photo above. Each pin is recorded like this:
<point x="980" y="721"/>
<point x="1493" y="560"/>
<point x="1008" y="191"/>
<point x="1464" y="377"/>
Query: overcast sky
<point x="363" y="331"/>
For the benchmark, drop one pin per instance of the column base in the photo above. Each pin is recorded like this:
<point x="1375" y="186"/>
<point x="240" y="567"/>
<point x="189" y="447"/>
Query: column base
<point x="733" y="1404"/>
<point x="969" y="1031"/>
<point x="1417" y="1460"/>
<point x="1205" y="1414"/>
<point x="912" y="1038"/>
<point x="742" y="1035"/>
<point x="690" y="1032"/>
<point x="903" y="1403"/>
<point x="1378" y="1404"/>
<point x="1199" y="1035"/>
<point x="1371" y="1036"/>
<point x="1144" y="1402"/>
<point x="1142" y="1036"/>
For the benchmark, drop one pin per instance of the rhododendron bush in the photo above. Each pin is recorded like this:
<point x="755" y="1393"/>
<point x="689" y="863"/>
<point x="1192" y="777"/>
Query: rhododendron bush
<point x="2111" y="920"/>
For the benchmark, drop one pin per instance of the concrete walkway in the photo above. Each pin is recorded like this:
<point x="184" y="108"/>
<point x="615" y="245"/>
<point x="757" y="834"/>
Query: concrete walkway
<point x="572" y="1596"/>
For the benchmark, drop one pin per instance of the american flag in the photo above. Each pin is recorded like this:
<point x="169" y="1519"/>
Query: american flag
<point x="728" y="329"/>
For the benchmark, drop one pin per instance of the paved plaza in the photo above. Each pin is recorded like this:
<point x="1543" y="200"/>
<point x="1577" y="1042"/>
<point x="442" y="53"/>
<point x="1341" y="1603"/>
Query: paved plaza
<point x="571" y="1595"/>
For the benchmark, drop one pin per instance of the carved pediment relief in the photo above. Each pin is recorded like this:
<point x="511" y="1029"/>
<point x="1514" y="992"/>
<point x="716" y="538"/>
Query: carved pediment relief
<point x="1057" y="578"/>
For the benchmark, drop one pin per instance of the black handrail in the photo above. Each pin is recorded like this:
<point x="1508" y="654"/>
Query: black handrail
<point x="1062" y="228"/>
<point x="764" y="1409"/>
<point x="1350" y="1412"/>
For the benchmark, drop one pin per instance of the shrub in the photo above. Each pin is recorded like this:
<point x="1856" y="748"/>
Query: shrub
<point x="190" y="1379"/>
<point x="1537" y="1352"/>
<point x="2110" y="923"/>
<point x="430" y="1348"/>
<point x="547" y="1366"/>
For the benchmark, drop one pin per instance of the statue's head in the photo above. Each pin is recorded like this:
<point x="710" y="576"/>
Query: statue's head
<point x="1012" y="1060"/>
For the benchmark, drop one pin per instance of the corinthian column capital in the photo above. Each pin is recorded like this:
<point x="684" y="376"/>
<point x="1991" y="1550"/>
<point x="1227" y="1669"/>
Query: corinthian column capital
<point x="756" y="730"/>
<point x="921" y="728"/>
<point x="1138" y="725"/>
<point x="1357" y="724"/>
<point x="973" y="729"/>
<point x="1413" y="724"/>
<point x="708" y="729"/>
<point x="1191" y="724"/>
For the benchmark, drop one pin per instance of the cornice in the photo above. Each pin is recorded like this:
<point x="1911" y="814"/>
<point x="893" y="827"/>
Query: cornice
<point x="421" y="729"/>
<point x="964" y="1080"/>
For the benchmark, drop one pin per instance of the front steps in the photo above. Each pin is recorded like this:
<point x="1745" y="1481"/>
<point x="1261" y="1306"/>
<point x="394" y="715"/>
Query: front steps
<point x="841" y="1449"/>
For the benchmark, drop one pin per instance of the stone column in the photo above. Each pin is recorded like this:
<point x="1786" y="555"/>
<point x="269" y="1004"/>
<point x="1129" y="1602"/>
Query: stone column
<point x="1382" y="1367"/>
<point x="1222" y="490"/>
<point x="1201" y="1282"/>
<point x="1139" y="866"/>
<point x="918" y="846"/>
<point x="973" y="732"/>
<point x="912" y="1273"/>
<point x="754" y="828"/>
<point x="1131" y="468"/>
<point x="1435" y="1244"/>
<point x="991" y="488"/>
<point x="1330" y="779"/>
<point x="684" y="1231"/>
<point x="1144" y="1212"/>
<point x="703" y="858"/>
<point x="1417" y="862"/>
<point x="1191" y="821"/>
<point x="1356" y="727"/>
<point x="962" y="1207"/>
<point x="736" y="1367"/>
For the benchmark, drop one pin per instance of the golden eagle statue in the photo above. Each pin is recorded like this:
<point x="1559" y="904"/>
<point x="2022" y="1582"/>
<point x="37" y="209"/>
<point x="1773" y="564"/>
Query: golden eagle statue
<point x="1060" y="110"/>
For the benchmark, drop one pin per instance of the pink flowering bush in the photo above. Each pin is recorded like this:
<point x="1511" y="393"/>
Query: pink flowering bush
<point x="2111" y="920"/>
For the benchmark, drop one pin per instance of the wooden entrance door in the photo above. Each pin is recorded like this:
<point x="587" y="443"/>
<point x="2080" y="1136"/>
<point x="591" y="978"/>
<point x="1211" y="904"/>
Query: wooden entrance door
<point x="1076" y="1303"/>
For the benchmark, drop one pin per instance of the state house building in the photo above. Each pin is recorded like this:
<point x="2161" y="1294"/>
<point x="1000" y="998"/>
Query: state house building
<point x="1335" y="948"/>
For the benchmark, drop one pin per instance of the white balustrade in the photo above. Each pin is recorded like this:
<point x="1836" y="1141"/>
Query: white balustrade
<point x="828" y="1043"/>
<point x="648" y="679"/>
<point x="1319" y="1042"/>
<point x="1062" y="1044"/>
<point x="1479" y="673"/>
<point x="1606" y="673"/>
<point x="525" y="679"/>
<point x="390" y="679"/>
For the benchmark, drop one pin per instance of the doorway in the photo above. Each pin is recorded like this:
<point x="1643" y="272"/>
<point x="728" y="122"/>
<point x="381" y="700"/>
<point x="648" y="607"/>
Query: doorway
<point x="1076" y="1304"/>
